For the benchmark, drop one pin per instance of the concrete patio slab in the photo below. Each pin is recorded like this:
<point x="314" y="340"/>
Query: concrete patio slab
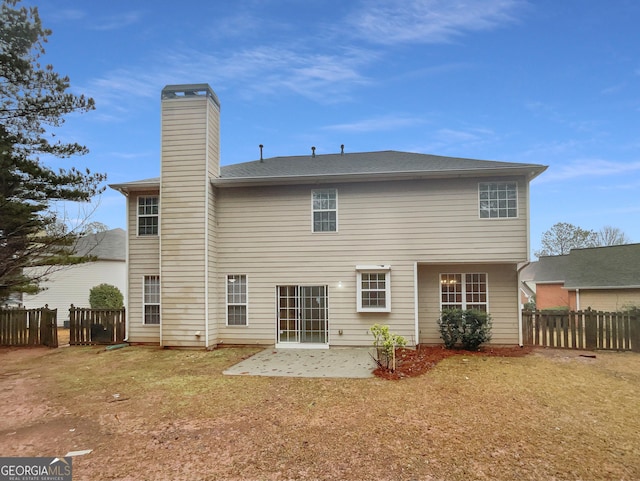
<point x="337" y="362"/>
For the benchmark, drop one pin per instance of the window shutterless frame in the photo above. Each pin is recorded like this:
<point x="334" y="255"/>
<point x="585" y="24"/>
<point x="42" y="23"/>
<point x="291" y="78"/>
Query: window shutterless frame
<point x="373" y="288"/>
<point x="498" y="200"/>
<point x="464" y="291"/>
<point x="237" y="300"/>
<point x="147" y="215"/>
<point x="151" y="300"/>
<point x="324" y="210"/>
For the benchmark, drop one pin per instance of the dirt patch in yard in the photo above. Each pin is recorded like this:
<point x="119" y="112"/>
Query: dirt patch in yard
<point x="153" y="414"/>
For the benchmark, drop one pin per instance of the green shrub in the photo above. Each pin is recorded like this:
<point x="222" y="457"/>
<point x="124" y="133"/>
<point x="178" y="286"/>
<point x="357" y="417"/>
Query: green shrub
<point x="385" y="343"/>
<point x="471" y="327"/>
<point x="105" y="296"/>
<point x="450" y="322"/>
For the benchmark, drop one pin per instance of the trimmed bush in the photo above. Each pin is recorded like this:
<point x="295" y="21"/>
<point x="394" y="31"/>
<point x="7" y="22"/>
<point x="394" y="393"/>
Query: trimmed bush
<point x="471" y="327"/>
<point x="105" y="296"/>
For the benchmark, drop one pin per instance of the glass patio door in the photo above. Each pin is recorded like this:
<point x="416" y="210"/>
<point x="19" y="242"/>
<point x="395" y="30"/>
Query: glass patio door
<point x="302" y="314"/>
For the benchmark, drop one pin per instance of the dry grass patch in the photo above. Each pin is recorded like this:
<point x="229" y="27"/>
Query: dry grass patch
<point x="538" y="417"/>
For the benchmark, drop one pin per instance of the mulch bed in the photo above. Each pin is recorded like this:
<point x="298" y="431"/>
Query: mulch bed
<point x="415" y="362"/>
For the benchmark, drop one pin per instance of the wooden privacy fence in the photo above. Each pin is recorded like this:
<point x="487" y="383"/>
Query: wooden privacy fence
<point x="29" y="327"/>
<point x="96" y="326"/>
<point x="590" y="330"/>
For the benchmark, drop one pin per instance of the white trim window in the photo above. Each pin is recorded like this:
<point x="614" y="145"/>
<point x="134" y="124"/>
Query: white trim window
<point x="464" y="291"/>
<point x="374" y="288"/>
<point x="324" y="206"/>
<point x="148" y="215"/>
<point x="151" y="300"/>
<point x="498" y="200"/>
<point x="237" y="300"/>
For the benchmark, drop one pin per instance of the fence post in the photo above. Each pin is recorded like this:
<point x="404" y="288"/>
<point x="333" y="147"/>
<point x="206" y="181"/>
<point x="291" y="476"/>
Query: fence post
<point x="591" y="330"/>
<point x="527" y="328"/>
<point x="634" y="330"/>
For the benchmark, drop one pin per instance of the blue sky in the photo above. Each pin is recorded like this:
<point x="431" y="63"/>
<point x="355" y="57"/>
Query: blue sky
<point x="549" y="82"/>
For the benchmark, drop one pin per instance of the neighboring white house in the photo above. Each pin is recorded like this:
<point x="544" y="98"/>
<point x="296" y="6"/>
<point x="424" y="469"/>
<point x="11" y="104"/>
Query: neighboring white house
<point x="71" y="284"/>
<point x="312" y="250"/>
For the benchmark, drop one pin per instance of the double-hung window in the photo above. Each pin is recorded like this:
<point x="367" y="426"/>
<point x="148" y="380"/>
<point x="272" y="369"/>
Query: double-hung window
<point x="148" y="215"/>
<point x="324" y="204"/>
<point x="374" y="288"/>
<point x="236" y="300"/>
<point x="464" y="291"/>
<point x="151" y="299"/>
<point x="498" y="200"/>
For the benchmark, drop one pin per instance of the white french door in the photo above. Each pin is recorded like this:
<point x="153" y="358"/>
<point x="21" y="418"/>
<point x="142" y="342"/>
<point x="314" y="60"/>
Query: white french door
<point x="303" y="314"/>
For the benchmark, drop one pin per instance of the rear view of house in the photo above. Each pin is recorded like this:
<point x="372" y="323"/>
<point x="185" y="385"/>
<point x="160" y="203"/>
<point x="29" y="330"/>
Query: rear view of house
<point x="312" y="250"/>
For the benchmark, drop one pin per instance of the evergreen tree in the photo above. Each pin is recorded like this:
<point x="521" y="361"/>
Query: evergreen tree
<point x="33" y="101"/>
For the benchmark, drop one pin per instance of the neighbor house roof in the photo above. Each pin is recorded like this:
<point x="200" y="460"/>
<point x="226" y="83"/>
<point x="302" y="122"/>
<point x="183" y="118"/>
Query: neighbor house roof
<point x="547" y="270"/>
<point x="604" y="267"/>
<point x="359" y="166"/>
<point x="590" y="268"/>
<point x="108" y="245"/>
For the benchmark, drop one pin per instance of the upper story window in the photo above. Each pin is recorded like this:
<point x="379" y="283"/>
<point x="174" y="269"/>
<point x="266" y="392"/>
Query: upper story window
<point x="148" y="215"/>
<point x="324" y="204"/>
<point x="498" y="199"/>
<point x="374" y="288"/>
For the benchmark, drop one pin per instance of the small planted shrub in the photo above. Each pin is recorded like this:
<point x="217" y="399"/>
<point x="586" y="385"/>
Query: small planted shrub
<point x="470" y="327"/>
<point x="105" y="296"/>
<point x="385" y="343"/>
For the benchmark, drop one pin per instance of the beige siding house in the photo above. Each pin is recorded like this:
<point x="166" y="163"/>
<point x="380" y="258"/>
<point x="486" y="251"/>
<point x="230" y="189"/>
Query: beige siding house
<point x="312" y="250"/>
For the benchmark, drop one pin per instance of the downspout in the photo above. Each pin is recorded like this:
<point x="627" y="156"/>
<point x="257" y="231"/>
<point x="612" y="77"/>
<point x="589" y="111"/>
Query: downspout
<point x="207" y="186"/>
<point x="415" y="302"/>
<point x="520" y="333"/>
<point x="577" y="299"/>
<point x="126" y="256"/>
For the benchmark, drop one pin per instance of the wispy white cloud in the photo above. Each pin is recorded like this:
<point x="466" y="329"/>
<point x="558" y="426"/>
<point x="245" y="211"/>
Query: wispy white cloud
<point x="66" y="14"/>
<point x="594" y="168"/>
<point x="117" y="22"/>
<point x="452" y="136"/>
<point x="430" y="21"/>
<point x="322" y="77"/>
<point x="376" y="124"/>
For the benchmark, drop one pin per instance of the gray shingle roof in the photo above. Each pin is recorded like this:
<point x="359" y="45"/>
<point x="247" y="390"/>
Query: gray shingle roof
<point x="384" y="162"/>
<point x="547" y="269"/>
<point x="604" y="267"/>
<point x="353" y="166"/>
<point x="590" y="268"/>
<point x="109" y="245"/>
